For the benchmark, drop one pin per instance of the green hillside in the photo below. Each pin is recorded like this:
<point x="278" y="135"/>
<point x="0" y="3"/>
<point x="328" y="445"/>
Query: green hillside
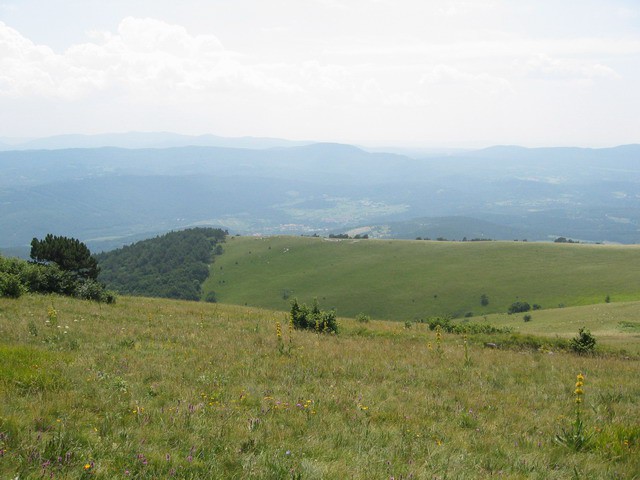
<point x="615" y="325"/>
<point x="154" y="388"/>
<point x="406" y="280"/>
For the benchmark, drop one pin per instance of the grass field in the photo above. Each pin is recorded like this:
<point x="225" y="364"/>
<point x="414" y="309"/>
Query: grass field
<point x="615" y="325"/>
<point x="408" y="280"/>
<point x="151" y="388"/>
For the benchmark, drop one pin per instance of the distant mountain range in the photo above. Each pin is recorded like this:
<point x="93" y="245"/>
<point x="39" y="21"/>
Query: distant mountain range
<point x="111" y="196"/>
<point x="143" y="140"/>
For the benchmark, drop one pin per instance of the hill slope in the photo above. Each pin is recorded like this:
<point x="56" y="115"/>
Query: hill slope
<point x="151" y="388"/>
<point x="404" y="280"/>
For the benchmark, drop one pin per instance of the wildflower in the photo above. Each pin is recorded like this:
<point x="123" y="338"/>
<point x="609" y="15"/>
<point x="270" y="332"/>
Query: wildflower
<point x="577" y="437"/>
<point x="578" y="392"/>
<point x="280" y="342"/>
<point x="87" y="466"/>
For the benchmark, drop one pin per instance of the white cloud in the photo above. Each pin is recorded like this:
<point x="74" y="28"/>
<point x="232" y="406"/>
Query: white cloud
<point x="509" y="47"/>
<point x="448" y="75"/>
<point x="145" y="57"/>
<point x="330" y="69"/>
<point x="543" y="66"/>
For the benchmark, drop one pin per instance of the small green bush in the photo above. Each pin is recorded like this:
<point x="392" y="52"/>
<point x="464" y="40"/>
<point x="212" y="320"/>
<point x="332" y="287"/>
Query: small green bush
<point x="584" y="343"/>
<point x="527" y="318"/>
<point x="363" y="318"/>
<point x="305" y="318"/>
<point x="518" y="307"/>
<point x="10" y="285"/>
<point x="93" y="290"/>
<point x="210" y="297"/>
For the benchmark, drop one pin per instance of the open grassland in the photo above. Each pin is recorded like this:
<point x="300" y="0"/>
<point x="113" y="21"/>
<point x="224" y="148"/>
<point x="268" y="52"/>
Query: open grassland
<point x="151" y="388"/>
<point x="615" y="325"/>
<point x="408" y="280"/>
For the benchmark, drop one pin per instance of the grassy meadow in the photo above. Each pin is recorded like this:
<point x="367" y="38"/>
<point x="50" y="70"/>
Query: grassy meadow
<point x="408" y="280"/>
<point x="616" y="326"/>
<point x="151" y="388"/>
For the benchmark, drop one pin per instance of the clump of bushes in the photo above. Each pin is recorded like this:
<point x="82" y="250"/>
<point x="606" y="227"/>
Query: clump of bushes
<point x="363" y="318"/>
<point x="446" y="325"/>
<point x="312" y="318"/>
<point x="518" y="307"/>
<point x="10" y="285"/>
<point x="19" y="276"/>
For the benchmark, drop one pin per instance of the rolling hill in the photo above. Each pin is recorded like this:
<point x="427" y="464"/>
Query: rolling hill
<point x="408" y="280"/>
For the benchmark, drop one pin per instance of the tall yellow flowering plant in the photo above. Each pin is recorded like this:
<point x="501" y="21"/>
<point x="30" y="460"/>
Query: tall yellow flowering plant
<point x="576" y="438"/>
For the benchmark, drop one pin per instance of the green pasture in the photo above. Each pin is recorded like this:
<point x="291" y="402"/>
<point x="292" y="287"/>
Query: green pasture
<point x="615" y="325"/>
<point x="409" y="280"/>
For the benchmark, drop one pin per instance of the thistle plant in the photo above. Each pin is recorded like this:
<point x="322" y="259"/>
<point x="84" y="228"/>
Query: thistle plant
<point x="576" y="438"/>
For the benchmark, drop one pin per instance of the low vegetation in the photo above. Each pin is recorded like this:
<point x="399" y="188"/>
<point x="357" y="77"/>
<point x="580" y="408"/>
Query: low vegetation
<point x="303" y="317"/>
<point x="153" y="388"/>
<point x="60" y="265"/>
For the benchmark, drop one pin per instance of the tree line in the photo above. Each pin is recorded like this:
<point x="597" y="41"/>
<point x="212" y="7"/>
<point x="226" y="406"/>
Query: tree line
<point x="173" y="265"/>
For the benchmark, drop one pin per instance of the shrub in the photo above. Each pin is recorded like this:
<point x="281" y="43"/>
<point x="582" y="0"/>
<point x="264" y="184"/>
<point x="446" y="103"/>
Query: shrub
<point x="305" y="318"/>
<point x="10" y="285"/>
<point x="210" y="297"/>
<point x="527" y="318"/>
<point x="362" y="318"/>
<point x="583" y="343"/>
<point x="18" y="277"/>
<point x="446" y="325"/>
<point x="93" y="290"/>
<point x="484" y="300"/>
<point x="518" y="307"/>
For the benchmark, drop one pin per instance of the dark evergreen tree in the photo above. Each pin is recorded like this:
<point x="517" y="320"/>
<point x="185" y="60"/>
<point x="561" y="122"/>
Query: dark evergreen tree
<point x="70" y="254"/>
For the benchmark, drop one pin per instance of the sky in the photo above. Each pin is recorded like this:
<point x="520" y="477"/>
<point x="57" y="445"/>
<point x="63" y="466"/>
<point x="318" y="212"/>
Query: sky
<point x="413" y="73"/>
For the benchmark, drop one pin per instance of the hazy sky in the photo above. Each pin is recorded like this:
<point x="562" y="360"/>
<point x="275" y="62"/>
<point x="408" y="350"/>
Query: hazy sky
<point x="377" y="72"/>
